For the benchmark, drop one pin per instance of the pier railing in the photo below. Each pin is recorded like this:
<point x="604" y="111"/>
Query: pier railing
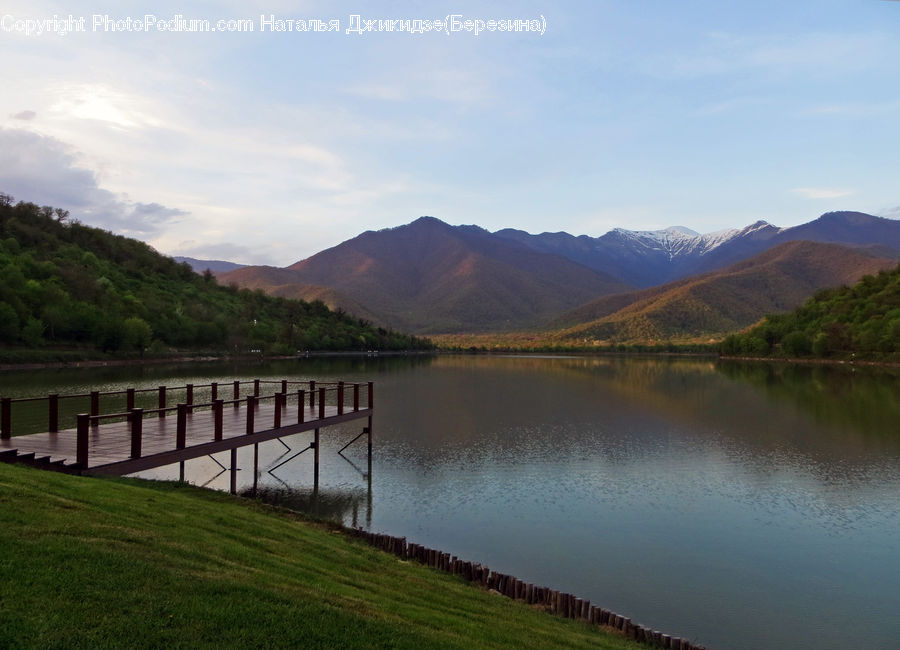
<point x="308" y="398"/>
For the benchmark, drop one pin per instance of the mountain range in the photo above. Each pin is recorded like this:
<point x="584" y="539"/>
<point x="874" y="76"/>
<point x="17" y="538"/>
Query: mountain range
<point x="429" y="277"/>
<point x="649" y="258"/>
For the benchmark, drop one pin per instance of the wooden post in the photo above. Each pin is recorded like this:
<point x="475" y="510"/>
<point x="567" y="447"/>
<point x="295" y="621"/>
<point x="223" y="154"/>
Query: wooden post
<point x="371" y="395"/>
<point x="53" y="412"/>
<point x="136" y="417"/>
<point x="340" y="398"/>
<point x="234" y="467"/>
<point x="162" y="401"/>
<point x="217" y="419"/>
<point x="312" y="394"/>
<point x="255" y="468"/>
<point x="6" y="418"/>
<point x="277" y="423"/>
<point x="189" y="398"/>
<point x="95" y="407"/>
<point x="355" y="397"/>
<point x="322" y="403"/>
<point x="181" y="427"/>
<point x="301" y="405"/>
<point x="237" y="394"/>
<point x="251" y="407"/>
<point x="256" y="388"/>
<point x="284" y="386"/>
<point x="214" y="389"/>
<point x="81" y="443"/>
<point x="369" y="431"/>
<point x="129" y="400"/>
<point x="316" y="458"/>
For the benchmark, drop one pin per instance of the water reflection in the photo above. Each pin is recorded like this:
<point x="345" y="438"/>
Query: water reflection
<point x="351" y="506"/>
<point x="864" y="400"/>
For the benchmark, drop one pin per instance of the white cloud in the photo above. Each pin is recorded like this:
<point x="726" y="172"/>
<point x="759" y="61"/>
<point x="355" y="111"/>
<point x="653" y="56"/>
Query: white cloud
<point x="855" y="109"/>
<point x="222" y="251"/>
<point x="46" y="171"/>
<point x="891" y="213"/>
<point x="821" y="192"/>
<point x="115" y="108"/>
<point x="812" y="54"/>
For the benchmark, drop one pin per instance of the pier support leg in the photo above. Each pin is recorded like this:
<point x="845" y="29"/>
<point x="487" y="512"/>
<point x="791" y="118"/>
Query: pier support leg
<point x="370" y="444"/>
<point x="316" y="462"/>
<point x="369" y="496"/>
<point x="234" y="471"/>
<point x="369" y="472"/>
<point x="255" y="468"/>
<point x="181" y="471"/>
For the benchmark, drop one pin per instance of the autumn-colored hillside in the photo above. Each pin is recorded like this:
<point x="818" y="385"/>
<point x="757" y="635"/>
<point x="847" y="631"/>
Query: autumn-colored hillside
<point x="720" y="302"/>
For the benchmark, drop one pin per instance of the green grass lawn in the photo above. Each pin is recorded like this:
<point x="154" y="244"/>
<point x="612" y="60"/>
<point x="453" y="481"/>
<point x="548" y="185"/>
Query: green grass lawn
<point x="88" y="562"/>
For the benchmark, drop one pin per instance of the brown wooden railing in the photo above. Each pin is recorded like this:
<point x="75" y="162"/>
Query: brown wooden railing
<point x="316" y="393"/>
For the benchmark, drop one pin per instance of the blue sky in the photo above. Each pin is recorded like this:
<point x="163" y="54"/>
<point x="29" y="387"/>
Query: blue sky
<point x="264" y="147"/>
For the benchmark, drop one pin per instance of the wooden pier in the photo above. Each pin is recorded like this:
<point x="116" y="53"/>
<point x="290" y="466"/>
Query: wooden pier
<point x="137" y="439"/>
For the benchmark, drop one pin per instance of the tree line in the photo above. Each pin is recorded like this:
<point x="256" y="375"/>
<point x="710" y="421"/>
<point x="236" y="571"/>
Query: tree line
<point x="65" y="284"/>
<point x="862" y="321"/>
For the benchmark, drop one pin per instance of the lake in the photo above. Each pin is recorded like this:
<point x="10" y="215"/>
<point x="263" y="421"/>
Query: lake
<point x="739" y="505"/>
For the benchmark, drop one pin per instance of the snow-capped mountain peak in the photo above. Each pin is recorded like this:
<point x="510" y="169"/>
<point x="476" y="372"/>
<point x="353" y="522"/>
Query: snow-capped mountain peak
<point x="677" y="241"/>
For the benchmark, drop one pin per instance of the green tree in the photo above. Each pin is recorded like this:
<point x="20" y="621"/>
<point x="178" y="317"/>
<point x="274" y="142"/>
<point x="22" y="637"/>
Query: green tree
<point x="136" y="334"/>
<point x="796" y="344"/>
<point x="33" y="332"/>
<point x="9" y="323"/>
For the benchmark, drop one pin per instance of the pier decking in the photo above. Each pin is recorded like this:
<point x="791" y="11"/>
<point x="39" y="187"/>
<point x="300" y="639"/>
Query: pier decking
<point x="136" y="439"/>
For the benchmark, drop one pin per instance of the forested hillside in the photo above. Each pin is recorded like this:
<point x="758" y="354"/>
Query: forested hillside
<point x="862" y="321"/>
<point x="714" y="304"/>
<point x="64" y="284"/>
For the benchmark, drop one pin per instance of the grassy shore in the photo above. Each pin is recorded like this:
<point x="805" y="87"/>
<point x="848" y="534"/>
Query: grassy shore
<point x="89" y="562"/>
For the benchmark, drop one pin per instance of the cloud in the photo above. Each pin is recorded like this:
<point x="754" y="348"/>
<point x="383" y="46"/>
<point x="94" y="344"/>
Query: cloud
<point x="855" y="110"/>
<point x="45" y="170"/>
<point x="218" y="251"/>
<point x="24" y="115"/>
<point x="116" y="109"/>
<point x="812" y="54"/>
<point x="821" y="192"/>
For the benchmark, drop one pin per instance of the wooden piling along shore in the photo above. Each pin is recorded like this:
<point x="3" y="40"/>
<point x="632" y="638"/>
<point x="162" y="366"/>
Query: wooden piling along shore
<point x="551" y="600"/>
<point x="136" y="439"/>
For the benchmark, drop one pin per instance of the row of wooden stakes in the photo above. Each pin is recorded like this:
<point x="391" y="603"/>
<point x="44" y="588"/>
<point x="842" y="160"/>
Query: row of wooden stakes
<point x="559" y="604"/>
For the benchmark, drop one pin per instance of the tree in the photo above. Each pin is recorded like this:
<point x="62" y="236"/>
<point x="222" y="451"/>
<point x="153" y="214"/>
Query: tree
<point x="796" y="344"/>
<point x="33" y="332"/>
<point x="9" y="323"/>
<point x="136" y="334"/>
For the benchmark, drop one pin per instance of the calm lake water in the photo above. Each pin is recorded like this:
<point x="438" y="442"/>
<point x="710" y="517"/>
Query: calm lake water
<point x="738" y="505"/>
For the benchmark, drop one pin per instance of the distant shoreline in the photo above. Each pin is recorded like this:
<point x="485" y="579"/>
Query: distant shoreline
<point x="102" y="363"/>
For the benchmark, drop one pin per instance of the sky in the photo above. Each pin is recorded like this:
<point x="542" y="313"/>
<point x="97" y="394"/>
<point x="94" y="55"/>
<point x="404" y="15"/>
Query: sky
<point x="265" y="146"/>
